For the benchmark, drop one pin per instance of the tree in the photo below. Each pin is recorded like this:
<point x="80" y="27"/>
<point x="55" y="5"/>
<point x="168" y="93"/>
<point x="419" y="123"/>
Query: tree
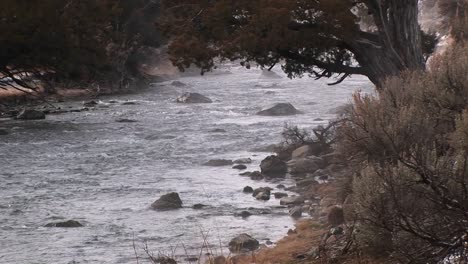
<point x="60" y="41"/>
<point x="320" y="38"/>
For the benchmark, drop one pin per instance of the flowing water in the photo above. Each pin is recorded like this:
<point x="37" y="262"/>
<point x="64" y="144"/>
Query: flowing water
<point x="104" y="174"/>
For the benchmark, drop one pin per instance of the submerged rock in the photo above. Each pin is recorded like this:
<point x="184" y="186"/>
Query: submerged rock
<point x="240" y="167"/>
<point x="273" y="166"/>
<point x="129" y="103"/>
<point x="91" y="103"/>
<point x="168" y="201"/>
<point x="125" y="120"/>
<point x="69" y="223"/>
<point x="280" y="109"/>
<point x="193" y="98"/>
<point x="199" y="206"/>
<point x="218" y="162"/>
<point x="178" y="84"/>
<point x="243" y="243"/>
<point x="243" y="161"/>
<point x="243" y="214"/>
<point x="30" y="114"/>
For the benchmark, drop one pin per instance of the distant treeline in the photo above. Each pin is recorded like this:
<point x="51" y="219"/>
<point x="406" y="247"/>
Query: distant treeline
<point x="93" y="41"/>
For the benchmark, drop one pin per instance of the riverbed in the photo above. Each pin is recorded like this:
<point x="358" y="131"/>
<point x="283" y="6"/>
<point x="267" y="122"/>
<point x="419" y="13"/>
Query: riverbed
<point x="87" y="167"/>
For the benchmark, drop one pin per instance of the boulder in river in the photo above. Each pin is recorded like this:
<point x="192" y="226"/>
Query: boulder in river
<point x="280" y="109"/>
<point x="248" y="189"/>
<point x="295" y="212"/>
<point x="243" y="243"/>
<point x="240" y="167"/>
<point x="262" y="193"/>
<point x="69" y="223"/>
<point x="218" y="162"/>
<point x="273" y="166"/>
<point x="168" y="201"/>
<point x="193" y="98"/>
<point x="30" y="114"/>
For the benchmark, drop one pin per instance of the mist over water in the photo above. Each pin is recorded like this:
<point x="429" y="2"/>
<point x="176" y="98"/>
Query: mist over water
<point x="104" y="174"/>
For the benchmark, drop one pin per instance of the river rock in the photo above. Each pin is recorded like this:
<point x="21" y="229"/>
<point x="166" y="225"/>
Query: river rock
<point x="218" y="130"/>
<point x="218" y="162"/>
<point x="292" y="200"/>
<point x="273" y="166"/>
<point x="264" y="196"/>
<point x="178" y="84"/>
<point x="306" y="183"/>
<point x="279" y="195"/>
<point x="30" y="114"/>
<point x="248" y="189"/>
<point x="168" y="201"/>
<point x="129" y="103"/>
<point x="125" y="120"/>
<point x="243" y="243"/>
<point x="91" y="103"/>
<point x="193" y="98"/>
<point x="296" y="212"/>
<point x="280" y="186"/>
<point x="69" y="223"/>
<point x="199" y="206"/>
<point x="281" y="109"/>
<point x="301" y="152"/>
<point x="306" y="165"/>
<point x="243" y="161"/>
<point x="262" y="189"/>
<point x="256" y="176"/>
<point x="243" y="214"/>
<point x="240" y="167"/>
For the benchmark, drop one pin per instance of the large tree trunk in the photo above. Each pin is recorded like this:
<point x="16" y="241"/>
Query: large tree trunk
<point x="396" y="46"/>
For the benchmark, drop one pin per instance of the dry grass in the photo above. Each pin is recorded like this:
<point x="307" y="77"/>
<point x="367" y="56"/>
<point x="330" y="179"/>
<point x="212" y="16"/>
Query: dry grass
<point x="287" y="250"/>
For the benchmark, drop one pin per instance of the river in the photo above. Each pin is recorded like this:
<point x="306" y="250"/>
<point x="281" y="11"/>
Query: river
<point x="104" y="174"/>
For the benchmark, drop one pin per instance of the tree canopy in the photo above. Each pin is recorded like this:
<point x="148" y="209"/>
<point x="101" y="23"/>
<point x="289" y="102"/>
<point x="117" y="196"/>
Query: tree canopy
<point x="88" y="41"/>
<point x="321" y="38"/>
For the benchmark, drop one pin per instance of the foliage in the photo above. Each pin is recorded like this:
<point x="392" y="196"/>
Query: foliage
<point x="66" y="40"/>
<point x="319" y="38"/>
<point x="410" y="143"/>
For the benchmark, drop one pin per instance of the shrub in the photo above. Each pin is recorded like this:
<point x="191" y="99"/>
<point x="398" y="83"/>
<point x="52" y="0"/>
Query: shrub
<point x="410" y="144"/>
